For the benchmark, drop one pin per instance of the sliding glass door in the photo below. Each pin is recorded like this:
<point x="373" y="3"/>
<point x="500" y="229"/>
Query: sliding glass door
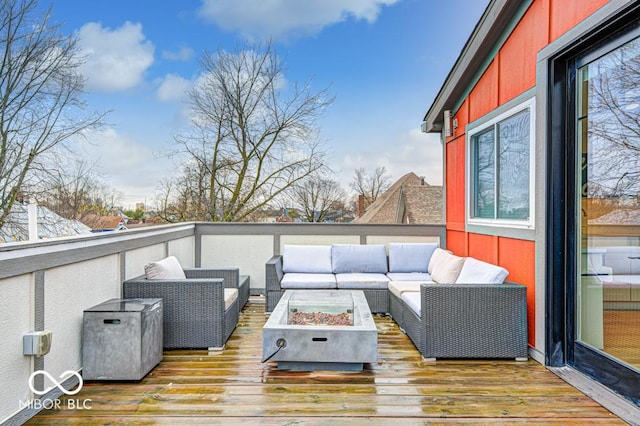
<point x="606" y="286"/>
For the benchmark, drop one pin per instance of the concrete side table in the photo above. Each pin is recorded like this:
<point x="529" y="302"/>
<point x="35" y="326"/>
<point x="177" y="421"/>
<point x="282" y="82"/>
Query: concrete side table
<point x="121" y="339"/>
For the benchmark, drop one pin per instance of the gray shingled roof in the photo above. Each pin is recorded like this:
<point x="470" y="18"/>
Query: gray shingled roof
<point x="408" y="200"/>
<point x="50" y="225"/>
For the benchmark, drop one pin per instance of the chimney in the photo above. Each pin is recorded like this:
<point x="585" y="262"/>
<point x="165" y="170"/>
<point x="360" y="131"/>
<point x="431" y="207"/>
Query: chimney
<point x="360" y="205"/>
<point x="422" y="180"/>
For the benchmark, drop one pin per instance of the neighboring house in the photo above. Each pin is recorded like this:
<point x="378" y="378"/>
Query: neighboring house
<point x="540" y="122"/>
<point x="105" y="223"/>
<point x="50" y="225"/>
<point x="409" y="200"/>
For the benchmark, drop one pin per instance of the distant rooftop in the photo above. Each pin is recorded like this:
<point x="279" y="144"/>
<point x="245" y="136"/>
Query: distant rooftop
<point x="409" y="200"/>
<point x="50" y="225"/>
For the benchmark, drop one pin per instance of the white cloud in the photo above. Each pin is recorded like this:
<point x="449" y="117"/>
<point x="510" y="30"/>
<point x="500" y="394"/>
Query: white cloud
<point x="173" y="88"/>
<point x="282" y="18"/>
<point x="412" y="151"/>
<point x="129" y="167"/>
<point x="183" y="54"/>
<point x="115" y="59"/>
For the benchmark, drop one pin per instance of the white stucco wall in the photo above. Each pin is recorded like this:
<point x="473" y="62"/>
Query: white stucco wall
<point x="136" y="259"/>
<point x="318" y="240"/>
<point x="15" y="320"/>
<point x="69" y="290"/>
<point x="247" y="252"/>
<point x="184" y="250"/>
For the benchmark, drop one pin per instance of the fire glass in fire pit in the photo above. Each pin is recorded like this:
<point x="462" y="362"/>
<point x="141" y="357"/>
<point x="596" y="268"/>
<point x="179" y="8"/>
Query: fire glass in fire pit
<point x="320" y="308"/>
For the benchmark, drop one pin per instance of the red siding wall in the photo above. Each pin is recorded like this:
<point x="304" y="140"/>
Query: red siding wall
<point x="511" y="72"/>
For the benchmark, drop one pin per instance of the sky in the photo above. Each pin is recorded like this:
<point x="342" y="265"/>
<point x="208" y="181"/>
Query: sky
<point x="383" y="60"/>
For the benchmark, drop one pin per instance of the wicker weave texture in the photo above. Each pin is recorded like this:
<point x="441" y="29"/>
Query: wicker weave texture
<point x="474" y="320"/>
<point x="194" y="314"/>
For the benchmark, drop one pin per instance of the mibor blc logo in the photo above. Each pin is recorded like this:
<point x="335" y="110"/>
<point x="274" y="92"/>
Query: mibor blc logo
<point x="64" y="376"/>
<point x="47" y="403"/>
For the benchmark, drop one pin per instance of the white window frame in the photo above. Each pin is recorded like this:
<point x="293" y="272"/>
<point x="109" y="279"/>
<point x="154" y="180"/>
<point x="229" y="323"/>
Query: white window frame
<point x="480" y="126"/>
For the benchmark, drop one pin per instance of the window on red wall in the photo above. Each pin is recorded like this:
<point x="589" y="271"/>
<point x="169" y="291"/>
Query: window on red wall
<point x="500" y="163"/>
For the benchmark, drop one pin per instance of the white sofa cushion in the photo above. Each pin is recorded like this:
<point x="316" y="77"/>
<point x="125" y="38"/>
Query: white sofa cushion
<point x="413" y="300"/>
<point x="362" y="281"/>
<point x="446" y="267"/>
<point x="230" y="296"/>
<point x="302" y="281"/>
<point x="409" y="276"/>
<point x="410" y="257"/>
<point x="476" y="271"/>
<point x="306" y="259"/>
<point x="346" y="258"/>
<point x="399" y="287"/>
<point x="166" y="269"/>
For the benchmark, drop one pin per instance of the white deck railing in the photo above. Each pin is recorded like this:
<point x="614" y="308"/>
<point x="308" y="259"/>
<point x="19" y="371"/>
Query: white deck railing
<point x="46" y="285"/>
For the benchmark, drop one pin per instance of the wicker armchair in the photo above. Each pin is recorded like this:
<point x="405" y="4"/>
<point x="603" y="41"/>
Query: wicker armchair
<point x="194" y="311"/>
<point x="467" y="320"/>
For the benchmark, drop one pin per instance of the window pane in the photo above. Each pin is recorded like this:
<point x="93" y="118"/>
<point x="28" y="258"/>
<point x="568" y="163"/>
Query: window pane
<point x="484" y="182"/>
<point x="513" y="167"/>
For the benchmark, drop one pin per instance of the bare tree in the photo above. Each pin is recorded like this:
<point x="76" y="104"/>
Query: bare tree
<point x="371" y="186"/>
<point x="40" y="89"/>
<point x="252" y="136"/>
<point x="77" y="191"/>
<point x="316" y="197"/>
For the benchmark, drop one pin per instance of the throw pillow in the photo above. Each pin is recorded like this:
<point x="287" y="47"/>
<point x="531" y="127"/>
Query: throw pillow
<point x="165" y="269"/>
<point x="447" y="268"/>
<point x="476" y="271"/>
<point x="435" y="258"/>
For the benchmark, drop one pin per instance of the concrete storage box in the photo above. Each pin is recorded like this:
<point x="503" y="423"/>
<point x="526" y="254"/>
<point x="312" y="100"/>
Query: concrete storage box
<point x="121" y="339"/>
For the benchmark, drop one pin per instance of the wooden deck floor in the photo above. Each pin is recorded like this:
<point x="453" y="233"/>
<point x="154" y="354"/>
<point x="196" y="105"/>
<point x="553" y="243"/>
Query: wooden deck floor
<point x="234" y="387"/>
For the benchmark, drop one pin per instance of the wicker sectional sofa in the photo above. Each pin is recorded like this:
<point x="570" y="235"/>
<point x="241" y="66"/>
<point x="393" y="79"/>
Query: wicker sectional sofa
<point x="449" y="306"/>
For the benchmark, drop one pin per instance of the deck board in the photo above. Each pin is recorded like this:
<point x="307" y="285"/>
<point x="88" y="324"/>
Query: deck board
<point x="234" y="387"/>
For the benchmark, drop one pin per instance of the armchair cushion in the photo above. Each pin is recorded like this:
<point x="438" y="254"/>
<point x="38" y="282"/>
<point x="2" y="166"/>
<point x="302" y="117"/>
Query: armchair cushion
<point x="306" y="259"/>
<point x="446" y="267"/>
<point x="230" y="296"/>
<point x="475" y="271"/>
<point x="165" y="269"/>
<point x="410" y="257"/>
<point x="347" y="258"/>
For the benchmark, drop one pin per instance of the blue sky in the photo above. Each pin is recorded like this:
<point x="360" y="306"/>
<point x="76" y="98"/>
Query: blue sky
<point x="384" y="60"/>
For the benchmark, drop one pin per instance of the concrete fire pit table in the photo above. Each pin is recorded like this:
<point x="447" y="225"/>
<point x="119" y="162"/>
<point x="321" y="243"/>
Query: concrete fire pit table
<point x="321" y="330"/>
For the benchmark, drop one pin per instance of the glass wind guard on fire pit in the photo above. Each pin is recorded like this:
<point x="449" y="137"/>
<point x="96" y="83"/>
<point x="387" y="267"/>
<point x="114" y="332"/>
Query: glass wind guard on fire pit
<point x="320" y="308"/>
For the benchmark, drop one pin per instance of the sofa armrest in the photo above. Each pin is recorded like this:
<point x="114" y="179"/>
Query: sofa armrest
<point x="273" y="273"/>
<point x="231" y="276"/>
<point x="474" y="320"/>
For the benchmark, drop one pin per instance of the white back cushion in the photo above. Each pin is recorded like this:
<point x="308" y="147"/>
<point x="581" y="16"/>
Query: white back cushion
<point x="447" y="268"/>
<point x="165" y="269"/>
<point x="306" y="259"/>
<point x="346" y="258"/>
<point x="410" y="257"/>
<point x="475" y="271"/>
<point x="435" y="256"/>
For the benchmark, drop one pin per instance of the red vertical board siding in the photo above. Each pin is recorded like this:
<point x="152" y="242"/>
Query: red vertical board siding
<point x="564" y="14"/>
<point x="483" y="247"/>
<point x="517" y="66"/>
<point x="512" y="72"/>
<point x="484" y="96"/>
<point x="455" y="184"/>
<point x="518" y="256"/>
<point x="457" y="242"/>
